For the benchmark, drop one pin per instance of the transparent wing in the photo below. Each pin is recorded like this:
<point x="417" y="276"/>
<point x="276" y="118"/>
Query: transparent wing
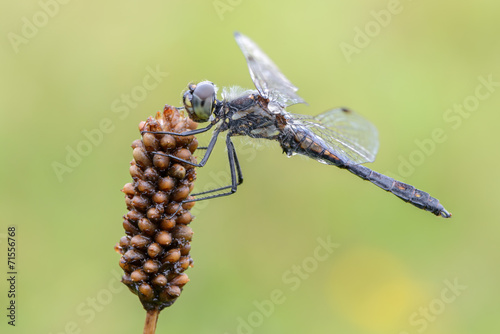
<point x="266" y="76"/>
<point x="349" y="134"/>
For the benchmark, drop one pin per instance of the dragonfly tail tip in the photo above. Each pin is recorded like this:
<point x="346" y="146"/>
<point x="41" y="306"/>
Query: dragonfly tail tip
<point x="445" y="214"/>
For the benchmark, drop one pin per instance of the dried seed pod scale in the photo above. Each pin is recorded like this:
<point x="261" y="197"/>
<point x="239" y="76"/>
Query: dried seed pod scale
<point x="155" y="249"/>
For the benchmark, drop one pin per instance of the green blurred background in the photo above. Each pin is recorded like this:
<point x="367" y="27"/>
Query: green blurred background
<point x="393" y="264"/>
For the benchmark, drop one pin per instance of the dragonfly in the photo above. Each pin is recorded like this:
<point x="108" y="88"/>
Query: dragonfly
<point x="338" y="137"/>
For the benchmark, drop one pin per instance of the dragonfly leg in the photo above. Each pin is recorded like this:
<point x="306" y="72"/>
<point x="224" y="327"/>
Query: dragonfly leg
<point x="182" y="134"/>
<point x="236" y="177"/>
<point x="237" y="163"/>
<point x="204" y="160"/>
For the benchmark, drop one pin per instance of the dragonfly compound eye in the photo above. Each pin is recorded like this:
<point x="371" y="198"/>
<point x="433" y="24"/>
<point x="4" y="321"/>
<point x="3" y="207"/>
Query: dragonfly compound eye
<point x="200" y="101"/>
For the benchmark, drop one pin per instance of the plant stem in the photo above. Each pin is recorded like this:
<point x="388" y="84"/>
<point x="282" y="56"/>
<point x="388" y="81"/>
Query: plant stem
<point x="151" y="319"/>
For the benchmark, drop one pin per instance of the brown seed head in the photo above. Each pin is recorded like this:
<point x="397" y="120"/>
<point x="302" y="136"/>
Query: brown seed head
<point x="155" y="250"/>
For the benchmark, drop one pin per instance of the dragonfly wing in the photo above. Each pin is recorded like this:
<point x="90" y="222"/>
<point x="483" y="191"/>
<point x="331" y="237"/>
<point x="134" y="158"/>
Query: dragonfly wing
<point x="349" y="134"/>
<point x="266" y="76"/>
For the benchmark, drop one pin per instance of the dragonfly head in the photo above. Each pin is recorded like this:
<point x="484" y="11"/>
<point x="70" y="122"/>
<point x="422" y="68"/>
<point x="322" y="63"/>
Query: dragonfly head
<point x="200" y="100"/>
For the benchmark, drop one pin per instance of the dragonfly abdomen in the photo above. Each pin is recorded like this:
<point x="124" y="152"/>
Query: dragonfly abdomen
<point x="305" y="143"/>
<point x="406" y="192"/>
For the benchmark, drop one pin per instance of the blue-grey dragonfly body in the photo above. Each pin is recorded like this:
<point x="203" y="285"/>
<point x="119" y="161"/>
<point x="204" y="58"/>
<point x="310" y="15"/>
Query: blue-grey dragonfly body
<point x="337" y="137"/>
